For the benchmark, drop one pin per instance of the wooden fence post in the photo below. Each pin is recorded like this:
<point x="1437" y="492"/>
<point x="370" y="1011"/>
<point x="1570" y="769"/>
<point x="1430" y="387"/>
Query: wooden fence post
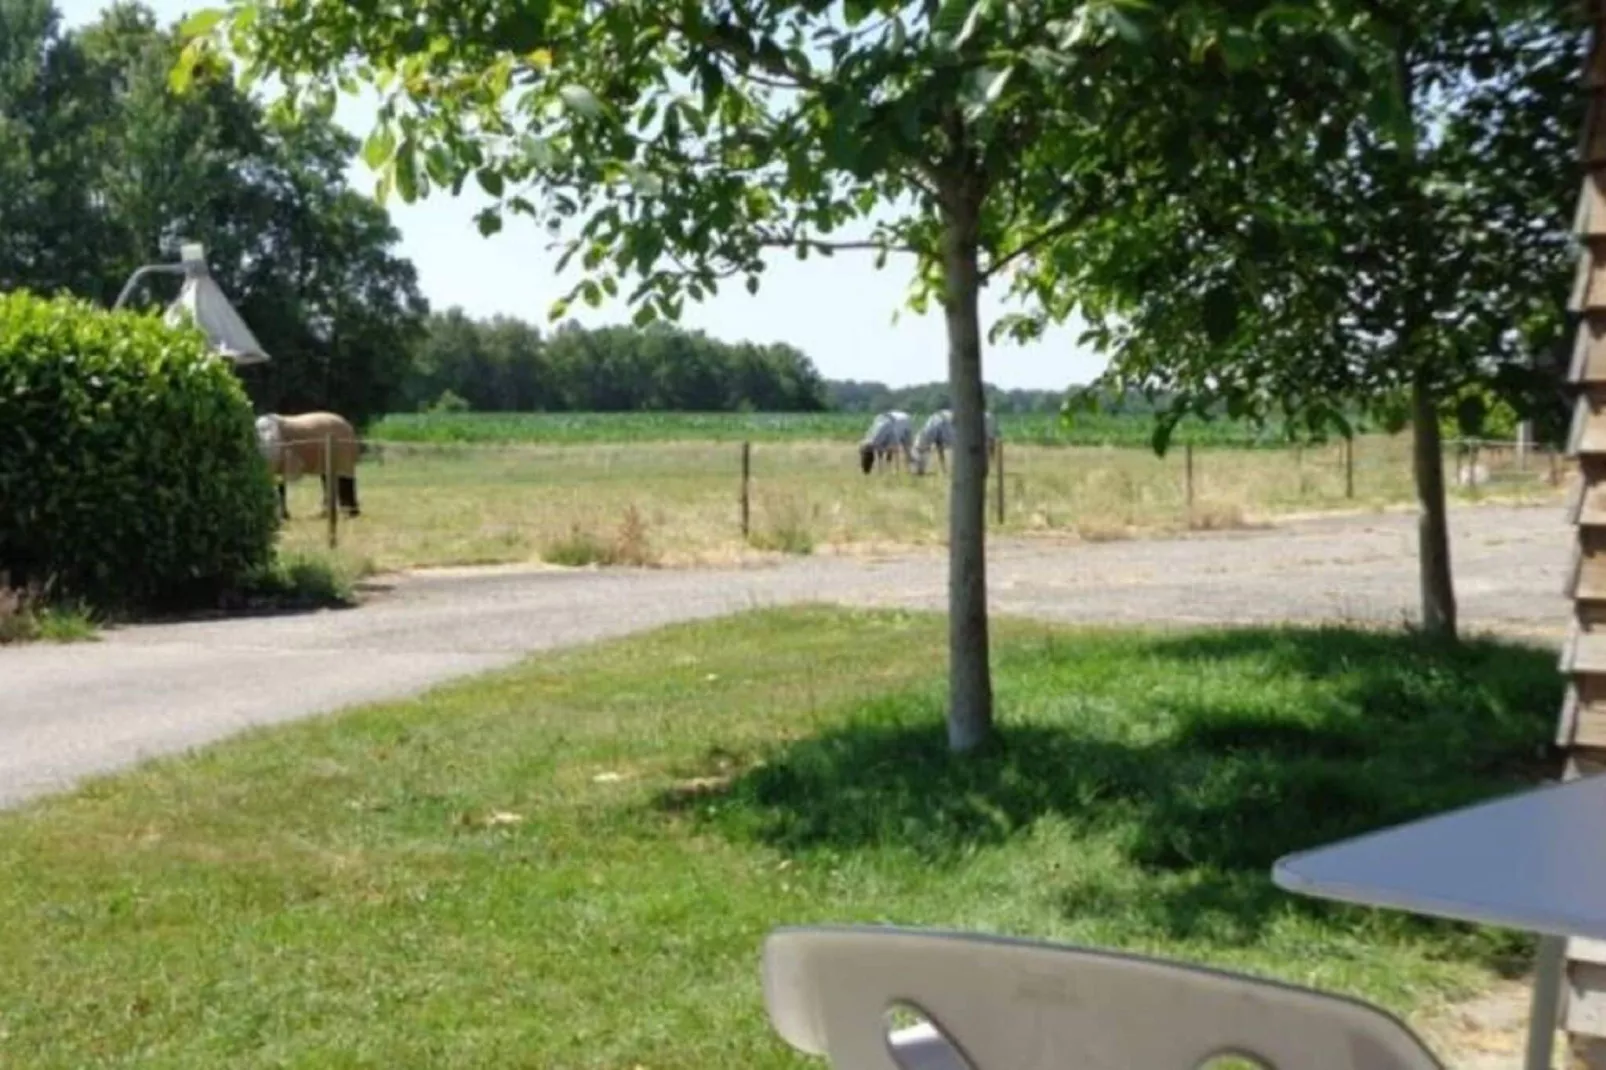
<point x="1000" y="489"/>
<point x="1349" y="466"/>
<point x="1187" y="478"/>
<point x="330" y="494"/>
<point x="747" y="476"/>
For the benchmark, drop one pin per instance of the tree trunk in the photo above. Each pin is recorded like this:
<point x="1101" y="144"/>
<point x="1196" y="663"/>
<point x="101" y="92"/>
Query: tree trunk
<point x="1433" y="522"/>
<point x="970" y="685"/>
<point x="1427" y="449"/>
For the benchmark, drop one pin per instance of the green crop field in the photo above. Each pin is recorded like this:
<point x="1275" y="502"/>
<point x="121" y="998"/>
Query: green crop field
<point x="568" y="428"/>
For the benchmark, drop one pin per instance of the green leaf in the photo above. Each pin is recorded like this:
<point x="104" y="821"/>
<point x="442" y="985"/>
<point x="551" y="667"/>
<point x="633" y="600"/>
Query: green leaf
<point x="713" y="80"/>
<point x="1239" y="50"/>
<point x="645" y="182"/>
<point x="489" y="222"/>
<point x="644" y="315"/>
<point x="538" y="152"/>
<point x="559" y="309"/>
<point x="952" y="15"/>
<point x="438" y="166"/>
<point x="200" y="23"/>
<point x="982" y="89"/>
<point x="1298" y="16"/>
<point x="995" y="85"/>
<point x="406" y="171"/>
<point x="379" y="146"/>
<point x="183" y="72"/>
<point x="752" y="284"/>
<point x="591" y="293"/>
<point x="1220" y="314"/>
<point x="580" y="99"/>
<point x="1125" y="25"/>
<point x="972" y="23"/>
<point x="490" y="181"/>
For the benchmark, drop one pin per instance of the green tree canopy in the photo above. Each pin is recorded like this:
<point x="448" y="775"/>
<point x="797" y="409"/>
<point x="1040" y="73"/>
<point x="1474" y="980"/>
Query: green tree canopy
<point x="1335" y="258"/>
<point x="105" y="167"/>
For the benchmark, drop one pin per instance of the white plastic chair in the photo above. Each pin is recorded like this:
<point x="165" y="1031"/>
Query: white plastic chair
<point x="1000" y="1004"/>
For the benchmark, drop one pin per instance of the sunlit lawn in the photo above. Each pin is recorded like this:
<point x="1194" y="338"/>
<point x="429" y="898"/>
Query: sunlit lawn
<point x="573" y="863"/>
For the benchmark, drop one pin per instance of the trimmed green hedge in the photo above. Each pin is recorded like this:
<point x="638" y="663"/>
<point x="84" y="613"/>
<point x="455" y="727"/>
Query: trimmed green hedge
<point x="129" y="470"/>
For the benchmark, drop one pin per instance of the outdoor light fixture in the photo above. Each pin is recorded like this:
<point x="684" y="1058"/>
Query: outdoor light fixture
<point x="203" y="303"/>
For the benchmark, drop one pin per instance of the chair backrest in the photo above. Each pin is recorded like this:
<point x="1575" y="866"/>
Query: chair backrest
<point x="1002" y="1004"/>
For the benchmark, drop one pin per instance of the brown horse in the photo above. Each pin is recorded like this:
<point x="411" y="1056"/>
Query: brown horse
<point x="297" y="445"/>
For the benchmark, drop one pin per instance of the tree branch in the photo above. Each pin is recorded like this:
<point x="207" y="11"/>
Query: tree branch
<point x="1036" y="241"/>
<point x="722" y="38"/>
<point x="777" y="241"/>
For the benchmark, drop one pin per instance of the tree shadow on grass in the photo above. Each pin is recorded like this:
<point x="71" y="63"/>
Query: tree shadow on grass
<point x="1381" y="728"/>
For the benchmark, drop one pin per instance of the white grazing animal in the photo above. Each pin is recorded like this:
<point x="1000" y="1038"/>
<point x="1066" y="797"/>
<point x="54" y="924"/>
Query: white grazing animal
<point x="938" y="433"/>
<point x="890" y="435"/>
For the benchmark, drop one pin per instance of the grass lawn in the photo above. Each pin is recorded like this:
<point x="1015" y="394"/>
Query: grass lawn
<point x="677" y="502"/>
<point x="572" y="863"/>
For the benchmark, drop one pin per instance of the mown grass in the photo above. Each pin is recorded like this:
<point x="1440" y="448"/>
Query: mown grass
<point x="571" y="428"/>
<point x="573" y="863"/>
<point x="477" y="504"/>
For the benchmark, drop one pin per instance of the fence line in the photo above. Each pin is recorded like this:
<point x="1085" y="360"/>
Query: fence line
<point x="1097" y="492"/>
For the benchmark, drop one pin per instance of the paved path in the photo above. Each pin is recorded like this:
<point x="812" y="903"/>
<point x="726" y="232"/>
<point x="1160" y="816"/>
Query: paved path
<point x="74" y="710"/>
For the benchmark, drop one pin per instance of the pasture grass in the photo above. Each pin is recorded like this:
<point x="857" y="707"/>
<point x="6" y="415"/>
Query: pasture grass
<point x="572" y="863"/>
<point x="630" y="545"/>
<point x="593" y="428"/>
<point x="475" y="504"/>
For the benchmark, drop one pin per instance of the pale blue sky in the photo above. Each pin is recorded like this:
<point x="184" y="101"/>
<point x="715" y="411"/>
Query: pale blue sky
<point x="838" y="310"/>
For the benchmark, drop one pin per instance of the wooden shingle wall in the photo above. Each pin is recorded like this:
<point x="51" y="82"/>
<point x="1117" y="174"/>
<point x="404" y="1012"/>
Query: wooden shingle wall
<point x="1582" y="728"/>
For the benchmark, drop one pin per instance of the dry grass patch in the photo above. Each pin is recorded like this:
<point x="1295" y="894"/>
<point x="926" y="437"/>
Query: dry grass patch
<point x="448" y="505"/>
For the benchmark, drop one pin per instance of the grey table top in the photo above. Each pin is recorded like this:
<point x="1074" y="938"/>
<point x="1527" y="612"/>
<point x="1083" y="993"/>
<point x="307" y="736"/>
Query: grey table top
<point x="1535" y="860"/>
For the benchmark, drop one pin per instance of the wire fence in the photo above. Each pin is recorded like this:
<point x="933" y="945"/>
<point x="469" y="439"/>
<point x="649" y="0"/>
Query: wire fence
<point x="473" y="503"/>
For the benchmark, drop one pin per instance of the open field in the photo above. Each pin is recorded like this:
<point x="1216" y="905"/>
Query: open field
<point x="557" y="428"/>
<point x="571" y="863"/>
<point x="677" y="502"/>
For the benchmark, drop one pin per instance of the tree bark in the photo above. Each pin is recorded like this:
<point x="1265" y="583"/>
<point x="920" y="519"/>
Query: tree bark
<point x="1433" y="521"/>
<point x="970" y="685"/>
<point x="1427" y="448"/>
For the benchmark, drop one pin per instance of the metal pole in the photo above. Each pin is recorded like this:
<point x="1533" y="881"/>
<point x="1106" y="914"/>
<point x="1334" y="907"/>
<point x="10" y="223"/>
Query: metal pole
<point x="1544" y="1010"/>
<point x="140" y="273"/>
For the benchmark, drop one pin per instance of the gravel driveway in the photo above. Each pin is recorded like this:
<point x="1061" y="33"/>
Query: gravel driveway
<point x="74" y="710"/>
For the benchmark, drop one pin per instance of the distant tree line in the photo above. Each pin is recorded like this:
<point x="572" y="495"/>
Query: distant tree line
<point x="853" y="395"/>
<point x="504" y="364"/>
